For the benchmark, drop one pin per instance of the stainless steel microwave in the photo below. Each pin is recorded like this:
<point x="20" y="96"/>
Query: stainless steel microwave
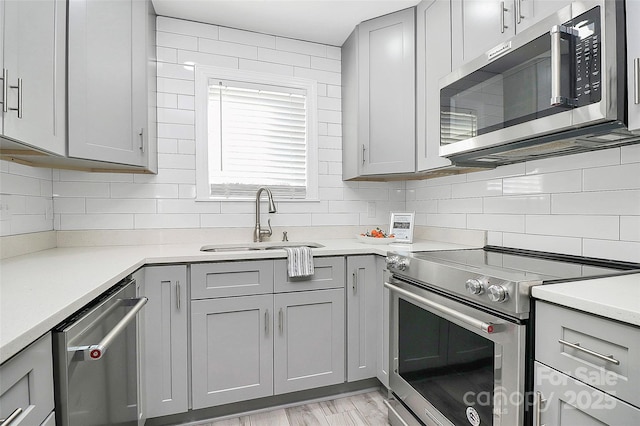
<point x="558" y="87"/>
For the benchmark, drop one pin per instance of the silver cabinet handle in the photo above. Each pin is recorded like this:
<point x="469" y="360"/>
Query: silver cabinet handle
<point x="11" y="418"/>
<point x="141" y="134"/>
<point x="487" y="327"/>
<point x="363" y="149"/>
<point x="19" y="87"/>
<point x="95" y="352"/>
<point x="502" y="11"/>
<point x="5" y="89"/>
<point x="266" y="322"/>
<point x="519" y="11"/>
<point x="577" y="346"/>
<point x="178" y="297"/>
<point x="636" y="79"/>
<point x="538" y="404"/>
<point x="280" y="320"/>
<point x="355" y="282"/>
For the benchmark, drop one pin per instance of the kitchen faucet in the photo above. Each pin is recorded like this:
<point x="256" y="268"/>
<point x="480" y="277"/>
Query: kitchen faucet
<point x="258" y="232"/>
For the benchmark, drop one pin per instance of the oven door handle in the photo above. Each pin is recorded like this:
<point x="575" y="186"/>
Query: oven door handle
<point x="487" y="327"/>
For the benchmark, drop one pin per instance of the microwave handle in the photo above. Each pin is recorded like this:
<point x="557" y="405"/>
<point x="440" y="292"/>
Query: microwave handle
<point x="556" y="64"/>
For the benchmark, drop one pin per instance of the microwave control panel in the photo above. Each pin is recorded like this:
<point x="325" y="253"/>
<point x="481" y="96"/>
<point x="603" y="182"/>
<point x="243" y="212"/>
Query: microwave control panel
<point x="588" y="78"/>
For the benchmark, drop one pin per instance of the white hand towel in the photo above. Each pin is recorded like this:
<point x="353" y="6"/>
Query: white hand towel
<point x="299" y="261"/>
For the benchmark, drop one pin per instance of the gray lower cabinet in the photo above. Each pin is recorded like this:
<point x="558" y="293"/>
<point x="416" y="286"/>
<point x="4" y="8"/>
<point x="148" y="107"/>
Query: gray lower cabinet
<point x="561" y="400"/>
<point x="165" y="343"/>
<point x="633" y="63"/>
<point x="225" y="279"/>
<point x="111" y="82"/>
<point x="232" y="349"/>
<point x="363" y="309"/>
<point x="382" y="318"/>
<point x="26" y="387"/>
<point x="587" y="369"/>
<point x="309" y="340"/>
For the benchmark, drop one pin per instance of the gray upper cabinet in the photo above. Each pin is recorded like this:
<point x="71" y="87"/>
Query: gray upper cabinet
<point x="378" y="95"/>
<point x="112" y="82"/>
<point x="433" y="61"/>
<point x="479" y="25"/>
<point x="33" y="52"/>
<point x="308" y="340"/>
<point x="165" y="354"/>
<point x="363" y="311"/>
<point x="633" y="63"/>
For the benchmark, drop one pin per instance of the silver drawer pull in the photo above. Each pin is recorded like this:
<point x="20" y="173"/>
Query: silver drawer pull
<point x="577" y="346"/>
<point x="539" y="401"/>
<point x="11" y="418"/>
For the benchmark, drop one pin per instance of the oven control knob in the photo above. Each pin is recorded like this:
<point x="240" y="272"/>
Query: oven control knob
<point x="497" y="293"/>
<point x="402" y="264"/>
<point x="392" y="261"/>
<point x="474" y="286"/>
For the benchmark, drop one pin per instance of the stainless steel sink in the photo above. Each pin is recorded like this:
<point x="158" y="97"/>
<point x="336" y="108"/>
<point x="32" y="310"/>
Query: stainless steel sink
<point x="258" y="246"/>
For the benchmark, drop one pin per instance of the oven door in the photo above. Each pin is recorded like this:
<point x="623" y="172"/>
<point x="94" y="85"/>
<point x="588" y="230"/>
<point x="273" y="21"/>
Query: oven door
<point x="453" y="364"/>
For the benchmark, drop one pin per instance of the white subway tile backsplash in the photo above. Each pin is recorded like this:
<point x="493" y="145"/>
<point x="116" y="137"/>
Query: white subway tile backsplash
<point x="487" y="188"/>
<point x="528" y="204"/>
<point x="327" y="116"/>
<point x="494" y="238"/>
<point x="329" y="154"/>
<point x="225" y="48"/>
<point x="570" y="181"/>
<point x="287" y="220"/>
<point x="166" y="221"/>
<point x="607" y="157"/>
<point x="176" y="41"/>
<point x="499" y="172"/>
<point x="27" y="171"/>
<point x="199" y="58"/>
<point x="325" y="64"/>
<point x="284" y="58"/>
<point x="168" y="176"/>
<point x="265" y="67"/>
<point x="626" y="176"/>
<point x="172" y="85"/>
<point x="552" y="244"/>
<point x="177" y="161"/>
<point x="62" y="205"/>
<point x="334" y="52"/>
<point x="497" y="222"/>
<point x="73" y="222"/>
<point x="321" y="76"/>
<point x="584" y="226"/>
<point x="328" y="194"/>
<point x="334" y="219"/>
<point x="332" y="104"/>
<point x="190" y="28"/>
<point x="607" y="249"/>
<point x="630" y="154"/>
<point x="167" y="146"/>
<point x="177" y="131"/>
<point x="331" y="142"/>
<point x="347" y="206"/>
<point x="186" y="191"/>
<point x="630" y="228"/>
<point x="306" y="207"/>
<point x="449" y="220"/>
<point x="175" y="116"/>
<point x="299" y="46"/>
<point x="167" y="54"/>
<point x="460" y="205"/>
<point x="334" y="129"/>
<point x="186" y="146"/>
<point x="113" y="205"/>
<point x="186" y="102"/>
<point x="597" y="203"/>
<point x="187" y="206"/>
<point x="167" y="100"/>
<point x="228" y="221"/>
<point x="81" y="189"/>
<point x="78" y="176"/>
<point x="334" y="91"/>
<point x="144" y="190"/>
<point x="247" y="37"/>
<point x="178" y="71"/>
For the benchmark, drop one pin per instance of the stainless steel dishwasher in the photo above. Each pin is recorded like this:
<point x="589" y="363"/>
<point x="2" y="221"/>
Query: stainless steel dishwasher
<point x="96" y="361"/>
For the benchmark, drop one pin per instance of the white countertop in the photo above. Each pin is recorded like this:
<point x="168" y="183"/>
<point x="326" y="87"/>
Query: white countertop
<point x="39" y="290"/>
<point x="617" y="298"/>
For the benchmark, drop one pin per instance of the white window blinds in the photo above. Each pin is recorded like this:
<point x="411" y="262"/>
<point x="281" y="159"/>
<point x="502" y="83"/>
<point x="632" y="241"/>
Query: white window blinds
<point x="257" y="136"/>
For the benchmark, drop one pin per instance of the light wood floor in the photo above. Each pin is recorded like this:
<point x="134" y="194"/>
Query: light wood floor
<point x="366" y="409"/>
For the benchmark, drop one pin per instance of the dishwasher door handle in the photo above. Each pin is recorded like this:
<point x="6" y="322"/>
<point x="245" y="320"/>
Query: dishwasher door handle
<point x="95" y="352"/>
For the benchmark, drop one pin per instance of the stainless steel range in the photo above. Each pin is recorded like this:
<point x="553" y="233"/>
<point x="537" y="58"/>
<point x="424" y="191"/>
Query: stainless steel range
<point x="460" y="338"/>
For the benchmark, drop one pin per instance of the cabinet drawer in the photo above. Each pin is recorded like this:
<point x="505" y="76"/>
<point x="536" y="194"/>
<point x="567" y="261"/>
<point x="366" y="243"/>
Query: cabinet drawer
<point x="328" y="273"/>
<point x="226" y="279"/>
<point x="569" y="402"/>
<point x="27" y="383"/>
<point x="597" y="339"/>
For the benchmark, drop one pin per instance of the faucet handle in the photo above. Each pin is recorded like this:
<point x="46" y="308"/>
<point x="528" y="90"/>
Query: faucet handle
<point x="270" y="231"/>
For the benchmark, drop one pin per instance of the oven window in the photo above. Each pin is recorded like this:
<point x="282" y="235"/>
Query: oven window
<point x="450" y="366"/>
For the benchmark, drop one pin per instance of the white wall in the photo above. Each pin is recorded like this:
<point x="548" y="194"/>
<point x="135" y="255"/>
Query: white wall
<point x="25" y="199"/>
<point x="124" y="201"/>
<point x="585" y="204"/>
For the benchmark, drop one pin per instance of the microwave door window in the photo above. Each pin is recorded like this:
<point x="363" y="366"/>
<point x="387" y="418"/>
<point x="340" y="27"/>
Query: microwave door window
<point x="512" y="89"/>
<point x="451" y="367"/>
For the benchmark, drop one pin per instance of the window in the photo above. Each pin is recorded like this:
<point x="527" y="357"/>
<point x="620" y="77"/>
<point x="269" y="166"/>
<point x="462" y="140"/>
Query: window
<point x="255" y="130"/>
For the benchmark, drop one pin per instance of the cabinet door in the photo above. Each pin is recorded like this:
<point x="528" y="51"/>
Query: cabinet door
<point x="27" y="383"/>
<point x="104" y="80"/>
<point x="309" y="340"/>
<point x="528" y="12"/>
<point x="224" y="279"/>
<point x="362" y="317"/>
<point x="386" y="62"/>
<point x="633" y="63"/>
<point x="165" y="317"/>
<point x="433" y="61"/>
<point x="232" y="349"/>
<point x="568" y="402"/>
<point x="479" y="25"/>
<point x="34" y="59"/>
